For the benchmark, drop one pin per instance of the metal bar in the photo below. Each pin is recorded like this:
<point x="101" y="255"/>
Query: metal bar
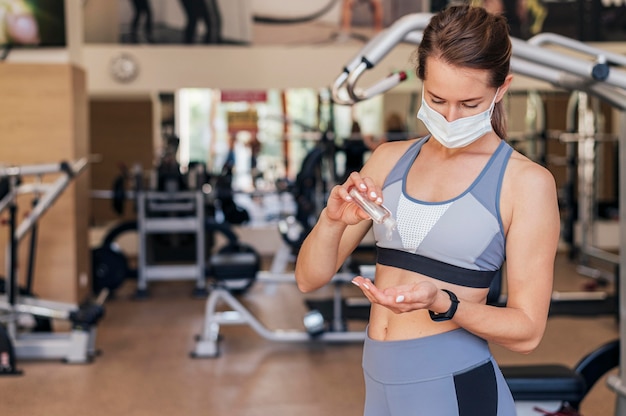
<point x="603" y="255"/>
<point x="376" y="49"/>
<point x="555" y="59"/>
<point x="618" y="383"/>
<point x="28" y="170"/>
<point x="49" y="198"/>
<point x="245" y="317"/>
<point x="105" y="194"/>
<point x="568" y="81"/>
<point x="142" y="262"/>
<point x="556" y="39"/>
<point x="71" y="347"/>
<point x="532" y="60"/>
<point x="271" y="277"/>
<point x="170" y="272"/>
<point x="200" y="242"/>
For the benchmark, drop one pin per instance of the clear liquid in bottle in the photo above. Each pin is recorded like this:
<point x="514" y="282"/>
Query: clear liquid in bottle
<point x="378" y="213"/>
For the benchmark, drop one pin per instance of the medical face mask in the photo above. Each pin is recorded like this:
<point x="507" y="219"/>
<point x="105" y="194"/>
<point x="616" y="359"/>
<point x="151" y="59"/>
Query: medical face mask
<point x="460" y="132"/>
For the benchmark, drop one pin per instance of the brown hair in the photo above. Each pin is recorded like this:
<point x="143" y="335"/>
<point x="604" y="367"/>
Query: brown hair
<point x="470" y="37"/>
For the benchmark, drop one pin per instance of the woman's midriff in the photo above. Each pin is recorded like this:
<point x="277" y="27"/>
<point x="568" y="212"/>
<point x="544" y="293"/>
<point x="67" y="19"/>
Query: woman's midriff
<point x="385" y="325"/>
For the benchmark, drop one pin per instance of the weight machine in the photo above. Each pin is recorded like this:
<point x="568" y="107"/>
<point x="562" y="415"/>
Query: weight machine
<point x="171" y="213"/>
<point x="75" y="346"/>
<point x="585" y="124"/>
<point x="599" y="73"/>
<point x="175" y="224"/>
<point x="207" y="343"/>
<point x="581" y="141"/>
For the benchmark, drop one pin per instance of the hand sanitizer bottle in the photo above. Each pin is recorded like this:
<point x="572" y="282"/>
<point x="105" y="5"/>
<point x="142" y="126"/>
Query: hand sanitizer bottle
<point x="378" y="213"/>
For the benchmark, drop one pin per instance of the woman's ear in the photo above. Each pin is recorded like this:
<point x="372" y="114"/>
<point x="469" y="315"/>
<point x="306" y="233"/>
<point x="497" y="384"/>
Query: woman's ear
<point x="504" y="87"/>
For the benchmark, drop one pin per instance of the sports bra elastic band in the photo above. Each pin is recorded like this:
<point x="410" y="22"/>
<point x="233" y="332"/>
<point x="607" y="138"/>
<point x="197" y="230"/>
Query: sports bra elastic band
<point x="434" y="268"/>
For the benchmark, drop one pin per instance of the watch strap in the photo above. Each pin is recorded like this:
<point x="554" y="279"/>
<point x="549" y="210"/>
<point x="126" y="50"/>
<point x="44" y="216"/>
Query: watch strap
<point x="447" y="315"/>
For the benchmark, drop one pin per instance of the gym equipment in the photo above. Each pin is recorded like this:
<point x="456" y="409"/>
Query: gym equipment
<point x="173" y="214"/>
<point x="75" y="346"/>
<point x="580" y="161"/>
<point x="599" y="73"/>
<point x="109" y="268"/>
<point x="207" y="342"/>
<point x="557" y="388"/>
<point x="236" y="263"/>
<point x="532" y="140"/>
<point x="175" y="224"/>
<point x="8" y="362"/>
<point x="41" y="324"/>
<point x="37" y="323"/>
<point x="323" y="327"/>
<point x="109" y="265"/>
<point x="584" y="124"/>
<point x="314" y="181"/>
<point x="235" y="266"/>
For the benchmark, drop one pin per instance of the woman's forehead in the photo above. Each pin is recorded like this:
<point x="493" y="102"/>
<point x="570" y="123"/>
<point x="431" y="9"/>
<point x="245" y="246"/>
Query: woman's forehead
<point x="443" y="79"/>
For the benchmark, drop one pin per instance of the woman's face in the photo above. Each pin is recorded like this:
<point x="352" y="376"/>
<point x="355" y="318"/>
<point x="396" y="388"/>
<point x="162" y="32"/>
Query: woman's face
<point x="456" y="92"/>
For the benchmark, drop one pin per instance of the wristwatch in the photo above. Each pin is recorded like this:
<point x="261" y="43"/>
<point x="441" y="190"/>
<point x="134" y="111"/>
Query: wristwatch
<point x="447" y="315"/>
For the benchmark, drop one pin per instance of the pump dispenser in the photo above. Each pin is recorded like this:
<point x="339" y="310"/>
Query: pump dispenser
<point x="378" y="213"/>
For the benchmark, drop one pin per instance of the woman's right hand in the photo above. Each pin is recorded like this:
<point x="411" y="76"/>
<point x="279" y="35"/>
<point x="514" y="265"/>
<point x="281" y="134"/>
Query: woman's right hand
<point x="340" y="205"/>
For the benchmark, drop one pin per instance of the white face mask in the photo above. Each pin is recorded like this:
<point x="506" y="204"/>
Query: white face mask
<point x="460" y="132"/>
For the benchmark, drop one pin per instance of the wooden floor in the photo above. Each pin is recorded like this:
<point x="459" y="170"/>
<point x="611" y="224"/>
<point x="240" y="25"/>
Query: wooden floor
<point x="145" y="367"/>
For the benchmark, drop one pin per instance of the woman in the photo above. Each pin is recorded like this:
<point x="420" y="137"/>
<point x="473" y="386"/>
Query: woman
<point x="464" y="201"/>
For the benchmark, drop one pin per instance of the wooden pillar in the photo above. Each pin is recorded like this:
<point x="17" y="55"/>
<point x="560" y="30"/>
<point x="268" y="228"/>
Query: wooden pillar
<point x="43" y="119"/>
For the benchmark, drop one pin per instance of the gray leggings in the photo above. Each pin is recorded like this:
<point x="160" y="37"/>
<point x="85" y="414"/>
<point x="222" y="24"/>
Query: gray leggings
<point x="450" y="374"/>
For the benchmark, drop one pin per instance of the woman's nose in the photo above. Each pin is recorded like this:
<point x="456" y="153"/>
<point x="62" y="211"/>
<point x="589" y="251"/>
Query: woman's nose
<point x="450" y="113"/>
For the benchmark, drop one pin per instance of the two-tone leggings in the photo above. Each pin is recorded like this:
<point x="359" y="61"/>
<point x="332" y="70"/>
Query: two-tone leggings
<point x="449" y="374"/>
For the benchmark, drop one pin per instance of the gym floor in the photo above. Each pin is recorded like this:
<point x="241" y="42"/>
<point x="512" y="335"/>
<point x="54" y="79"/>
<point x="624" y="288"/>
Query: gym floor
<point x="145" y="366"/>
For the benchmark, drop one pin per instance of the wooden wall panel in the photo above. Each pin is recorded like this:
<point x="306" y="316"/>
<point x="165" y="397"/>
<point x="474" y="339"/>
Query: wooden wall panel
<point x="43" y="108"/>
<point x="121" y="132"/>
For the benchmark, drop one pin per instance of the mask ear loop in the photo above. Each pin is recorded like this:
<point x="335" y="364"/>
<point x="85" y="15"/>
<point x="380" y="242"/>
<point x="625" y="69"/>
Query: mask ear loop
<point x="493" y="103"/>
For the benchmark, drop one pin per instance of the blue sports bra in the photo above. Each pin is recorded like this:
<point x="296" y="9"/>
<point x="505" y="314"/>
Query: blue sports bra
<point x="459" y="241"/>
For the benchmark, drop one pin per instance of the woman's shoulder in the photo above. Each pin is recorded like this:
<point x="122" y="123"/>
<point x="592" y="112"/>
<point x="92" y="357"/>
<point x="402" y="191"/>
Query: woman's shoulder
<point x="528" y="188"/>
<point x="530" y="175"/>
<point x="385" y="157"/>
<point x="396" y="147"/>
<point x="390" y="152"/>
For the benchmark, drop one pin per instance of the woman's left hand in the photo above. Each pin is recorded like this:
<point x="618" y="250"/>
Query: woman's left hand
<point x="399" y="299"/>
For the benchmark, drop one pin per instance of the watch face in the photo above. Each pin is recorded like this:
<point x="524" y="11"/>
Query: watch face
<point x="124" y="68"/>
